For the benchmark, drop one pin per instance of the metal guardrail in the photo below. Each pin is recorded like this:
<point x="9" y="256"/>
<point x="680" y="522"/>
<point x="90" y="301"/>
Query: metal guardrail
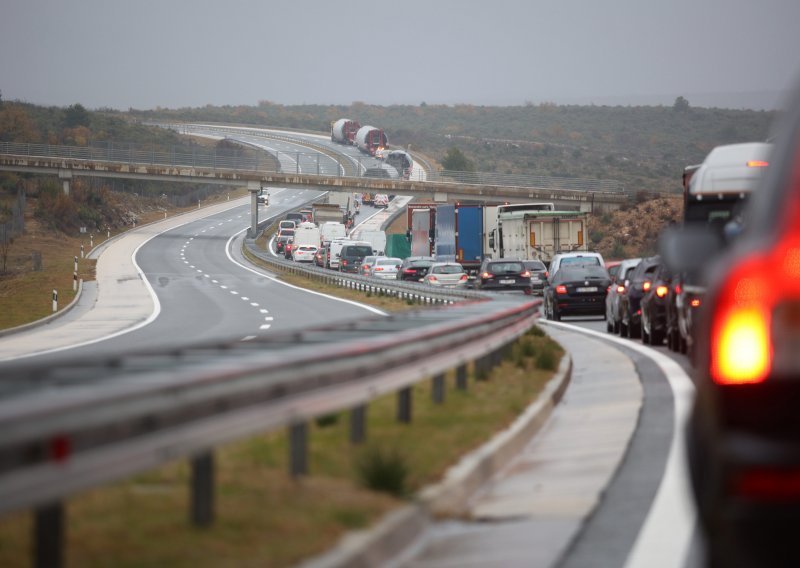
<point x="110" y="417"/>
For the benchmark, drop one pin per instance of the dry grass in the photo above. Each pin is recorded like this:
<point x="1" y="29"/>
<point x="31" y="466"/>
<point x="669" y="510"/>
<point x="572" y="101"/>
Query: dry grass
<point x="264" y="518"/>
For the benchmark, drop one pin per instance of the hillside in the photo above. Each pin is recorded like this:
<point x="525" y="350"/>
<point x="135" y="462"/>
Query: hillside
<point x="646" y="148"/>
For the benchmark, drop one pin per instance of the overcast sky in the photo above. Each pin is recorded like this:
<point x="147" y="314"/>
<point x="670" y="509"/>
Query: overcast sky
<point x="179" y="53"/>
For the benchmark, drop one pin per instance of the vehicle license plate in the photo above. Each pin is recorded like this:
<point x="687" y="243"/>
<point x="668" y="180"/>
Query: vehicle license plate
<point x="506" y="281"/>
<point x="587" y="289"/>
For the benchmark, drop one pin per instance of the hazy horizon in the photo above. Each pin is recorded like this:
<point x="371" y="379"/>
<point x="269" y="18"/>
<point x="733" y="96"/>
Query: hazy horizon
<point x="148" y="54"/>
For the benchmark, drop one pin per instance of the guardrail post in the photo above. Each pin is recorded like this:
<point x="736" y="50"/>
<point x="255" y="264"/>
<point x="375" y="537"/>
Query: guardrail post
<point x="49" y="536"/>
<point x="297" y="164"/>
<point x="404" y="405"/>
<point x="358" y="424"/>
<point x="202" y="513"/>
<point x="298" y="449"/>
<point x="461" y="377"/>
<point x="437" y="390"/>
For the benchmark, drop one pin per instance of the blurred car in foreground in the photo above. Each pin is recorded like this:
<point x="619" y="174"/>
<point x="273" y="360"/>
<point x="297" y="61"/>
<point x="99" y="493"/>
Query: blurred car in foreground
<point x="744" y="429"/>
<point x="577" y="290"/>
<point x="446" y="275"/>
<point x="505" y="274"/>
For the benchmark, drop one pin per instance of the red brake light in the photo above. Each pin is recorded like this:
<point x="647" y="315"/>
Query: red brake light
<point x="661" y="291"/>
<point x="487" y="275"/>
<point x="678" y="288"/>
<point x="769" y="484"/>
<point x="646" y="285"/>
<point x="620" y="289"/>
<point x="757" y="164"/>
<point x="378" y="269"/>
<point x="464" y="277"/>
<point x="526" y="274"/>
<point x="432" y="278"/>
<point x="695" y="303"/>
<point x="561" y="289"/>
<point x="408" y="271"/>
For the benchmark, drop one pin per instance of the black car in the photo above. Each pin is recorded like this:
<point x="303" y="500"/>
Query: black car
<point x="415" y="267"/>
<point x="638" y="283"/>
<point x="538" y="274"/>
<point x="654" y="307"/>
<point x="577" y="290"/>
<point x="351" y="256"/>
<point x="744" y="429"/>
<point x="504" y="274"/>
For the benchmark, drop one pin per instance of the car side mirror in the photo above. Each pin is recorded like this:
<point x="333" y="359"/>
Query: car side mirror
<point x="689" y="248"/>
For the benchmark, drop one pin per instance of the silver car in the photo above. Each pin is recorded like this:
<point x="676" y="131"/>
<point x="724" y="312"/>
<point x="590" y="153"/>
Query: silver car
<point x="446" y="275"/>
<point x="385" y="267"/>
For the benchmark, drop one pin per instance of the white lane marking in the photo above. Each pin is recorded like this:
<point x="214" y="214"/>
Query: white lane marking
<point x="234" y="292"/>
<point x="254" y="304"/>
<point x="263" y="311"/>
<point x="206" y="276"/>
<point x="248" y="337"/>
<point x="245" y="298"/>
<point x="239" y="264"/>
<point x="191" y="238"/>
<point x="215" y="281"/>
<point x="265" y="326"/>
<point x="224" y="287"/>
<point x="191" y="266"/>
<point x="665" y="536"/>
<point x="185" y="262"/>
<point x="269" y="318"/>
<point x="198" y="270"/>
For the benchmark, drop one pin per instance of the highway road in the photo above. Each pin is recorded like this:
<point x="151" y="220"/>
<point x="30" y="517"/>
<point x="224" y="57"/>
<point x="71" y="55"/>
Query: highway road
<point x="647" y="505"/>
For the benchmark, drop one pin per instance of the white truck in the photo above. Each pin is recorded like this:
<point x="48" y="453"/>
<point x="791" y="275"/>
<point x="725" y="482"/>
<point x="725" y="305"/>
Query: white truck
<point x="306" y="234"/>
<point x="538" y="235"/>
<point x="330" y="231"/>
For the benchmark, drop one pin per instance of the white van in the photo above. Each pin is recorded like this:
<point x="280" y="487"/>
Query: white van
<point x="306" y="234"/>
<point x="334" y="250"/>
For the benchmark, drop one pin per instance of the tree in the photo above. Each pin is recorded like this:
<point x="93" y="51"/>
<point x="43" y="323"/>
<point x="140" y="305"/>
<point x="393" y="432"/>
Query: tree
<point x="76" y="115"/>
<point x="456" y="161"/>
<point x="681" y="104"/>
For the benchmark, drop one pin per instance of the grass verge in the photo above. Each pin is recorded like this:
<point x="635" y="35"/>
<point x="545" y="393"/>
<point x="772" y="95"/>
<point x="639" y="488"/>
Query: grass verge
<point x="264" y="518"/>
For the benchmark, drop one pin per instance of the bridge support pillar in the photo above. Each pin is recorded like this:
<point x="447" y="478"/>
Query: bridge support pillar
<point x="202" y="512"/>
<point x="254" y="188"/>
<point x="66" y="177"/>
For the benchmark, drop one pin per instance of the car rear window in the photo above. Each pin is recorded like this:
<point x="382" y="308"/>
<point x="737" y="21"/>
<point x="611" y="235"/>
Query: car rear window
<point x="388" y="261"/>
<point x="536" y="265"/>
<point x="580" y="260"/>
<point x="357" y="250"/>
<point x="505" y="267"/>
<point x="449" y="269"/>
<point x="421" y="263"/>
<point x="582" y="272"/>
<point x="287" y="232"/>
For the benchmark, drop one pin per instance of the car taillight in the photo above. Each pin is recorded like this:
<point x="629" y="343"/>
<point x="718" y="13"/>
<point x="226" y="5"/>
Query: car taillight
<point x="769" y="484"/>
<point x="344" y="263"/>
<point x="678" y="288"/>
<point x="561" y="289"/>
<point x="661" y="291"/>
<point x="620" y="289"/>
<point x="487" y="275"/>
<point x="378" y="269"/>
<point x="741" y="342"/>
<point x="526" y="274"/>
<point x="433" y="278"/>
<point x="695" y="303"/>
<point x="409" y="271"/>
<point x="646" y="285"/>
<point x="464" y="277"/>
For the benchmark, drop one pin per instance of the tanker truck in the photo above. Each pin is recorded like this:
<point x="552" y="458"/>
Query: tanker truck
<point x="343" y="131"/>
<point x="371" y="140"/>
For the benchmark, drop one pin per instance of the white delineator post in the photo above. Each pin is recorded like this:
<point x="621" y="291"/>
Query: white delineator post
<point x="55" y="300"/>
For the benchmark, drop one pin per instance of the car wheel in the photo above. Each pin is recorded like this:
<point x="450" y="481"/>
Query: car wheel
<point x="609" y="325"/>
<point x="635" y="331"/>
<point x="645" y="336"/>
<point x="623" y="329"/>
<point x="656" y="337"/>
<point x="681" y="344"/>
<point x="556" y="315"/>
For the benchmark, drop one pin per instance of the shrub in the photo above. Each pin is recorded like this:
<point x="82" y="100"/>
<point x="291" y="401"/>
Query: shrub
<point x="383" y="470"/>
<point x="536" y="331"/>
<point x="528" y="348"/>
<point x="546" y="360"/>
<point x="326" y="420"/>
